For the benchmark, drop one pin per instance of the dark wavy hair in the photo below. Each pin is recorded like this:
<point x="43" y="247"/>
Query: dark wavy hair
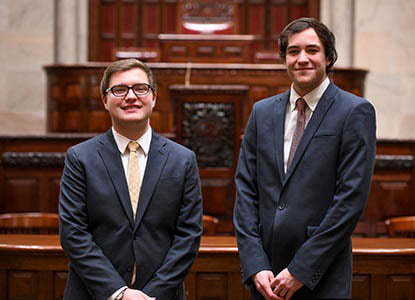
<point x="125" y="65"/>
<point x="325" y="35"/>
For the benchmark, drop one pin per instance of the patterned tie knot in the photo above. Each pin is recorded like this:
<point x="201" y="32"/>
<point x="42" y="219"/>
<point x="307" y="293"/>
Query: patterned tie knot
<point x="133" y="146"/>
<point x="301" y="104"/>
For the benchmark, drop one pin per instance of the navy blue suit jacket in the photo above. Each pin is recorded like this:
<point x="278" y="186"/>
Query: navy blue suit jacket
<point x="99" y="235"/>
<point x="304" y="219"/>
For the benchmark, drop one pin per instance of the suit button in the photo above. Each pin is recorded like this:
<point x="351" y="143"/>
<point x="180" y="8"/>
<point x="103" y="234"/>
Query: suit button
<point x="129" y="268"/>
<point x="281" y="206"/>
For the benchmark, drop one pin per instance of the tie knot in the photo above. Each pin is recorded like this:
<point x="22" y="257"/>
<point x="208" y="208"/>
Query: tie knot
<point x="133" y="146"/>
<point x="301" y="104"/>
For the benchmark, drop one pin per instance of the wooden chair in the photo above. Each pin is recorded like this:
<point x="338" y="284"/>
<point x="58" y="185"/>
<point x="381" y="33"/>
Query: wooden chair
<point x="401" y="226"/>
<point x="29" y="223"/>
<point x="209" y="225"/>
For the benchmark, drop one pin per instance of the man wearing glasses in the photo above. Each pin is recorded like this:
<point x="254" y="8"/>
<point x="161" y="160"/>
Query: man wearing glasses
<point x="130" y="201"/>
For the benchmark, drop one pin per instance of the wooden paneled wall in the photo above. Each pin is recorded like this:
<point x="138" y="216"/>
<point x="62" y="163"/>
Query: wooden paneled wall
<point x="30" y="171"/>
<point x="74" y="105"/>
<point x="74" y="102"/>
<point x="29" y="181"/>
<point x="137" y="23"/>
<point x="393" y="186"/>
<point x="31" y="167"/>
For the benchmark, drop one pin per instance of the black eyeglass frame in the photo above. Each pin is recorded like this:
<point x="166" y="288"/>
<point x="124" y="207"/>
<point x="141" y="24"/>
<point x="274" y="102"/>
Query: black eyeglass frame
<point x="130" y="87"/>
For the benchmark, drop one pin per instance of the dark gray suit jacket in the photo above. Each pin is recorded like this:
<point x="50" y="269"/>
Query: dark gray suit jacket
<point x="304" y="219"/>
<point x="99" y="235"/>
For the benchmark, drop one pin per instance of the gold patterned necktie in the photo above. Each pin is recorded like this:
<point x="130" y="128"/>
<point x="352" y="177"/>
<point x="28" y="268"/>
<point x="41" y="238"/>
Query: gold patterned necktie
<point x="134" y="182"/>
<point x="301" y="106"/>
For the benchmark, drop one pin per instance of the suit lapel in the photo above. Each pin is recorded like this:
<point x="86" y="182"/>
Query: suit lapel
<point x="279" y="124"/>
<point x="157" y="158"/>
<point x="323" y="106"/>
<point x="112" y="160"/>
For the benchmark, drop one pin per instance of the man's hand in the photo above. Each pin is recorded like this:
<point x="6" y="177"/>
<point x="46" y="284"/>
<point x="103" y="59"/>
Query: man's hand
<point x="131" y="294"/>
<point x="285" y="284"/>
<point x="262" y="282"/>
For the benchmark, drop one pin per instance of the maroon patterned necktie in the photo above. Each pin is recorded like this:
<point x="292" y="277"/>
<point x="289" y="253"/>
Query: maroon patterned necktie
<point x="299" y="129"/>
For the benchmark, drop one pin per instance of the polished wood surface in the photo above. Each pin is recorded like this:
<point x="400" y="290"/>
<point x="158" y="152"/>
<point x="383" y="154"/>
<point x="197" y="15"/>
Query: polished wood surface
<point x="30" y="223"/>
<point x="211" y="244"/>
<point x="34" y="267"/>
<point x="383" y="246"/>
<point x="22" y="243"/>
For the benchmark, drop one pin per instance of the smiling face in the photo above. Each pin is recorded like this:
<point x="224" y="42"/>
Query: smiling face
<point x="130" y="115"/>
<point x="306" y="61"/>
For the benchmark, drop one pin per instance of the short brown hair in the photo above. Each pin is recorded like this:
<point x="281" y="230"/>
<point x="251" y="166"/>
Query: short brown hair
<point x="125" y="65"/>
<point x="325" y="35"/>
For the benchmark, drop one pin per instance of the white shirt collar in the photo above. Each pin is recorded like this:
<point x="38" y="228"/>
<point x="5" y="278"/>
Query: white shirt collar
<point x="312" y="98"/>
<point x="122" y="142"/>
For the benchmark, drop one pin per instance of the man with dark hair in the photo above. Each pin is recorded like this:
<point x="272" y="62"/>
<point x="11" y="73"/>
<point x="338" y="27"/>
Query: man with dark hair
<point x="303" y="176"/>
<point x="130" y="202"/>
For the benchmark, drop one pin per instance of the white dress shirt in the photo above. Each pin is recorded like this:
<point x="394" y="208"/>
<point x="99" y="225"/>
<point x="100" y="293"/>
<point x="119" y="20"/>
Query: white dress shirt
<point x="122" y="144"/>
<point x="311" y="99"/>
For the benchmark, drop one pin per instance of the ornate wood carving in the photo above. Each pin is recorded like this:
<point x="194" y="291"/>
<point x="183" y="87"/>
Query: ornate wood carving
<point x="33" y="159"/>
<point x="208" y="129"/>
<point x="207" y="16"/>
<point x="395" y="162"/>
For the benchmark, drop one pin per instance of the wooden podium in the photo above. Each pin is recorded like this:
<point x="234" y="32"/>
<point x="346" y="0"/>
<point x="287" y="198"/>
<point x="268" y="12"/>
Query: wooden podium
<point x="209" y="120"/>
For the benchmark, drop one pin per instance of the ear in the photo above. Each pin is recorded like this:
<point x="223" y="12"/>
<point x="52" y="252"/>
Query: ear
<point x="328" y="61"/>
<point x="104" y="101"/>
<point x="154" y="100"/>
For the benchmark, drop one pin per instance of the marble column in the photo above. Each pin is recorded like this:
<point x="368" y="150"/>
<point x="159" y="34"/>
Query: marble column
<point x="339" y="17"/>
<point x="71" y="31"/>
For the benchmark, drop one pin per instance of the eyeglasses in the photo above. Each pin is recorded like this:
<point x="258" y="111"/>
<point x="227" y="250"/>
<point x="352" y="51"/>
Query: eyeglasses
<point x="121" y="90"/>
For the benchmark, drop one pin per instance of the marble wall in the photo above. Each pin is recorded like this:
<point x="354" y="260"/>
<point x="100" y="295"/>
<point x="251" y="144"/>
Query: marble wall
<point x="377" y="35"/>
<point x="33" y="34"/>
<point x="26" y="44"/>
<point x="384" y="44"/>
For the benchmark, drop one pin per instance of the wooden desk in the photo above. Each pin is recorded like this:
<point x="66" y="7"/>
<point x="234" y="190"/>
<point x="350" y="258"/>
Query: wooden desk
<point x="206" y="48"/>
<point x="383" y="269"/>
<point x="34" y="267"/>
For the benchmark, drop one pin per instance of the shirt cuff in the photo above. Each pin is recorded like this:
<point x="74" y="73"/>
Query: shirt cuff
<point x="115" y="294"/>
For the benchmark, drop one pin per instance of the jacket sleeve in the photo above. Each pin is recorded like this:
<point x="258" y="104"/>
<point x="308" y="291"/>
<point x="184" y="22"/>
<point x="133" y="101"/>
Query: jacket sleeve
<point x="246" y="211"/>
<point x="186" y="240"/>
<point x="355" y="165"/>
<point x="86" y="258"/>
